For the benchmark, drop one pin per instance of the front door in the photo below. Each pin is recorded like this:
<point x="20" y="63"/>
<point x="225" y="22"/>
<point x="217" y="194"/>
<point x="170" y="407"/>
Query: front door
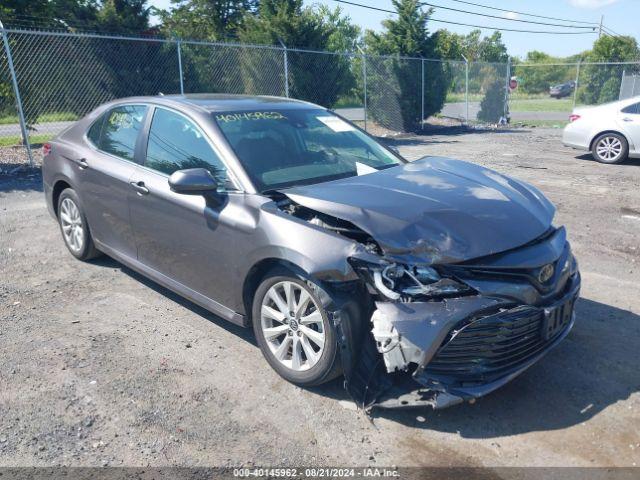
<point x="184" y="237"/>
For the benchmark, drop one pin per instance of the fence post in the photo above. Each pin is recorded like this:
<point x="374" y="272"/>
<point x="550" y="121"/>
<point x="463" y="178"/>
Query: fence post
<point x="286" y="68"/>
<point x="507" y="90"/>
<point x="364" y="81"/>
<point x="422" y="116"/>
<point x="179" y="47"/>
<point x="466" y="89"/>
<point x="575" y="89"/>
<point x="16" y="91"/>
<point x="178" y="43"/>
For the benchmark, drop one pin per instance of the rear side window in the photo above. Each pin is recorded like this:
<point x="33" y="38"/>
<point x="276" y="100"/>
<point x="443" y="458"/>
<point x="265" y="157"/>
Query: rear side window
<point x="176" y="143"/>
<point x="95" y="130"/>
<point x="635" y="108"/>
<point x="120" y="130"/>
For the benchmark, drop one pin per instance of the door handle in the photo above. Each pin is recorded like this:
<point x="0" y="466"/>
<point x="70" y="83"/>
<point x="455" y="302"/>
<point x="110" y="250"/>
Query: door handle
<point x="82" y="163"/>
<point x="139" y="188"/>
<point x="627" y="119"/>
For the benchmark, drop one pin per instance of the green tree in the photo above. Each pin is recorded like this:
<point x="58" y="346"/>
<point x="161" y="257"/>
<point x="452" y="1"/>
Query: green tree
<point x="123" y="16"/>
<point x="396" y="83"/>
<point x="473" y="47"/>
<point x="480" y="51"/>
<point x="537" y="78"/>
<point x="491" y="48"/>
<point x="448" y="45"/>
<point x="492" y="105"/>
<point x="319" y="78"/>
<point x="601" y="83"/>
<point x="108" y="68"/>
<point x="213" y="20"/>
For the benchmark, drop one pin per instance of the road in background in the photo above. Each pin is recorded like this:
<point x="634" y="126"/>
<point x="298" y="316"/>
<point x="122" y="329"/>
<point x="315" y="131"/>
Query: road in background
<point x="458" y="110"/>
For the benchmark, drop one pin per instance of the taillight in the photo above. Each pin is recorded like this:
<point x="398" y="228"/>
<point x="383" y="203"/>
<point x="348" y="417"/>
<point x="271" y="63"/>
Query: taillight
<point x="46" y="149"/>
<point x="573" y="117"/>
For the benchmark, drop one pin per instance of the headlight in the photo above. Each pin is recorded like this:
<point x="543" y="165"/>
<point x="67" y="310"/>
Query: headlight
<point x="405" y="281"/>
<point x="570" y="264"/>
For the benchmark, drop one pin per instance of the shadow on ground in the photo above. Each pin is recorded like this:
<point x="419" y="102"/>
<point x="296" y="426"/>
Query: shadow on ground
<point x="19" y="177"/>
<point x="593" y="368"/>
<point x="245" y="334"/>
<point x="631" y="162"/>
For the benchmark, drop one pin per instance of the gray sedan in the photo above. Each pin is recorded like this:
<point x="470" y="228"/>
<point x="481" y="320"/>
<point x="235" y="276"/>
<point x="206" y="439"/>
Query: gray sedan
<point x="423" y="283"/>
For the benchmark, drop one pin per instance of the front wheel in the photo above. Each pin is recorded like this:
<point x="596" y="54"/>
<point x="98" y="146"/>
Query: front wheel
<point x="294" y="332"/>
<point x="610" y="148"/>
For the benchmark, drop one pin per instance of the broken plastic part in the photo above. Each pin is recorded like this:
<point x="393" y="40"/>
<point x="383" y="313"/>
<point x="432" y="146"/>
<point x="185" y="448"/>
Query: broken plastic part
<point x="396" y="351"/>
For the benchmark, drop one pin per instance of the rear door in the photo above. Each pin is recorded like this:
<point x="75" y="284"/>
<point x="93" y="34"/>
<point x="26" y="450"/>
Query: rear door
<point x="629" y="120"/>
<point x="106" y="171"/>
<point x="184" y="237"/>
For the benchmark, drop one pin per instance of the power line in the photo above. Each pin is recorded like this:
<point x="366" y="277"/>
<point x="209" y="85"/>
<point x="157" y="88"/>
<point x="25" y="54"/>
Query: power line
<point x="507" y="19"/>
<point x="524" y="13"/>
<point x="611" y="31"/>
<point x="466" y="24"/>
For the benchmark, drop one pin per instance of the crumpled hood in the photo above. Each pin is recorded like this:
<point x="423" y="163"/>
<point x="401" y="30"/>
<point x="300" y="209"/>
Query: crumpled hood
<point x="434" y="210"/>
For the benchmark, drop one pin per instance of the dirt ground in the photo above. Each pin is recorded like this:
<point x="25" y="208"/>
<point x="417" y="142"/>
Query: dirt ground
<point x="99" y="366"/>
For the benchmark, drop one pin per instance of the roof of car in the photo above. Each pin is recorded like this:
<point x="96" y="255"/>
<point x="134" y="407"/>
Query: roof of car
<point x="223" y="102"/>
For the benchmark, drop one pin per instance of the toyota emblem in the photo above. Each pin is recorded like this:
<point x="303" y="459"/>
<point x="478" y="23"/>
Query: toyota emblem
<point x="546" y="273"/>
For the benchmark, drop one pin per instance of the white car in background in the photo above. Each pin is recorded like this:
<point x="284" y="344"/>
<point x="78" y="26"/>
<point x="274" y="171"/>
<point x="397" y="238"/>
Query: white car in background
<point x="610" y="131"/>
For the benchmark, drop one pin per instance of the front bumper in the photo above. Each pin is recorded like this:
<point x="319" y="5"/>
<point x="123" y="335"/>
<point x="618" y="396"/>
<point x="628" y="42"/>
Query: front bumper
<point x="464" y="348"/>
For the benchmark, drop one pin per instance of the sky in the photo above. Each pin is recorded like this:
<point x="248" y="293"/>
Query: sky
<point x="621" y="16"/>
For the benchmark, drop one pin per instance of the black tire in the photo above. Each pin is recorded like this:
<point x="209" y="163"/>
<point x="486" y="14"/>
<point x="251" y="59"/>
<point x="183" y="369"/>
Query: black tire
<point x="328" y="366"/>
<point x="610" y="137"/>
<point x="87" y="249"/>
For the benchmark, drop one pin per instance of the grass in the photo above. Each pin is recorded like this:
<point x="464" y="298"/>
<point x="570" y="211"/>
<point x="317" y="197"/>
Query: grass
<point x="540" y="123"/>
<point x="459" y="97"/>
<point x="541" y="105"/>
<point x="44" y="118"/>
<point x="348" y="102"/>
<point x="15" y="140"/>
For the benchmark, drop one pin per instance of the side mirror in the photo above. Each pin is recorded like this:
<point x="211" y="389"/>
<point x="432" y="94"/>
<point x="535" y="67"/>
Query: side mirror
<point x="193" y="181"/>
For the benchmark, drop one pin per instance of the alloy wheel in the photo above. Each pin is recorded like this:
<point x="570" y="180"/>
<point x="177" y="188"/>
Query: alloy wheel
<point x="609" y="148"/>
<point x="71" y="222"/>
<point x="292" y="325"/>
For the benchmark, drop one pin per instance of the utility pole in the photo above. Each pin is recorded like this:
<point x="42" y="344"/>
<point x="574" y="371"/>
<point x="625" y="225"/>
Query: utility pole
<point x="600" y="29"/>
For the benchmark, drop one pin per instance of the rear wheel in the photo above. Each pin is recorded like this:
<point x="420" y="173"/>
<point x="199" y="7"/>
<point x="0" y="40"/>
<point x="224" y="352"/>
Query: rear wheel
<point x="610" y="148"/>
<point x="294" y="332"/>
<point x="74" y="226"/>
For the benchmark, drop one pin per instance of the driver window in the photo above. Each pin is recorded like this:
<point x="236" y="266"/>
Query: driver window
<point x="176" y="143"/>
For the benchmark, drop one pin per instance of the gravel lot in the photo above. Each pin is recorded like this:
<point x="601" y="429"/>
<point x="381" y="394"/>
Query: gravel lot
<point x="99" y="366"/>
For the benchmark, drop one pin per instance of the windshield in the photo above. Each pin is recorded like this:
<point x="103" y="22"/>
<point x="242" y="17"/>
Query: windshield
<point x="283" y="148"/>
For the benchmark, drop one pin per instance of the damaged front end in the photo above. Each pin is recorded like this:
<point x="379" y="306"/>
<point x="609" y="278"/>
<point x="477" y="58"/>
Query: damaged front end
<point x="468" y="283"/>
<point x="447" y="334"/>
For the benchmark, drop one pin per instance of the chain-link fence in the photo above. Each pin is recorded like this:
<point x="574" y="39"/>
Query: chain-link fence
<point x="50" y="79"/>
<point x="547" y="93"/>
<point x="630" y="86"/>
